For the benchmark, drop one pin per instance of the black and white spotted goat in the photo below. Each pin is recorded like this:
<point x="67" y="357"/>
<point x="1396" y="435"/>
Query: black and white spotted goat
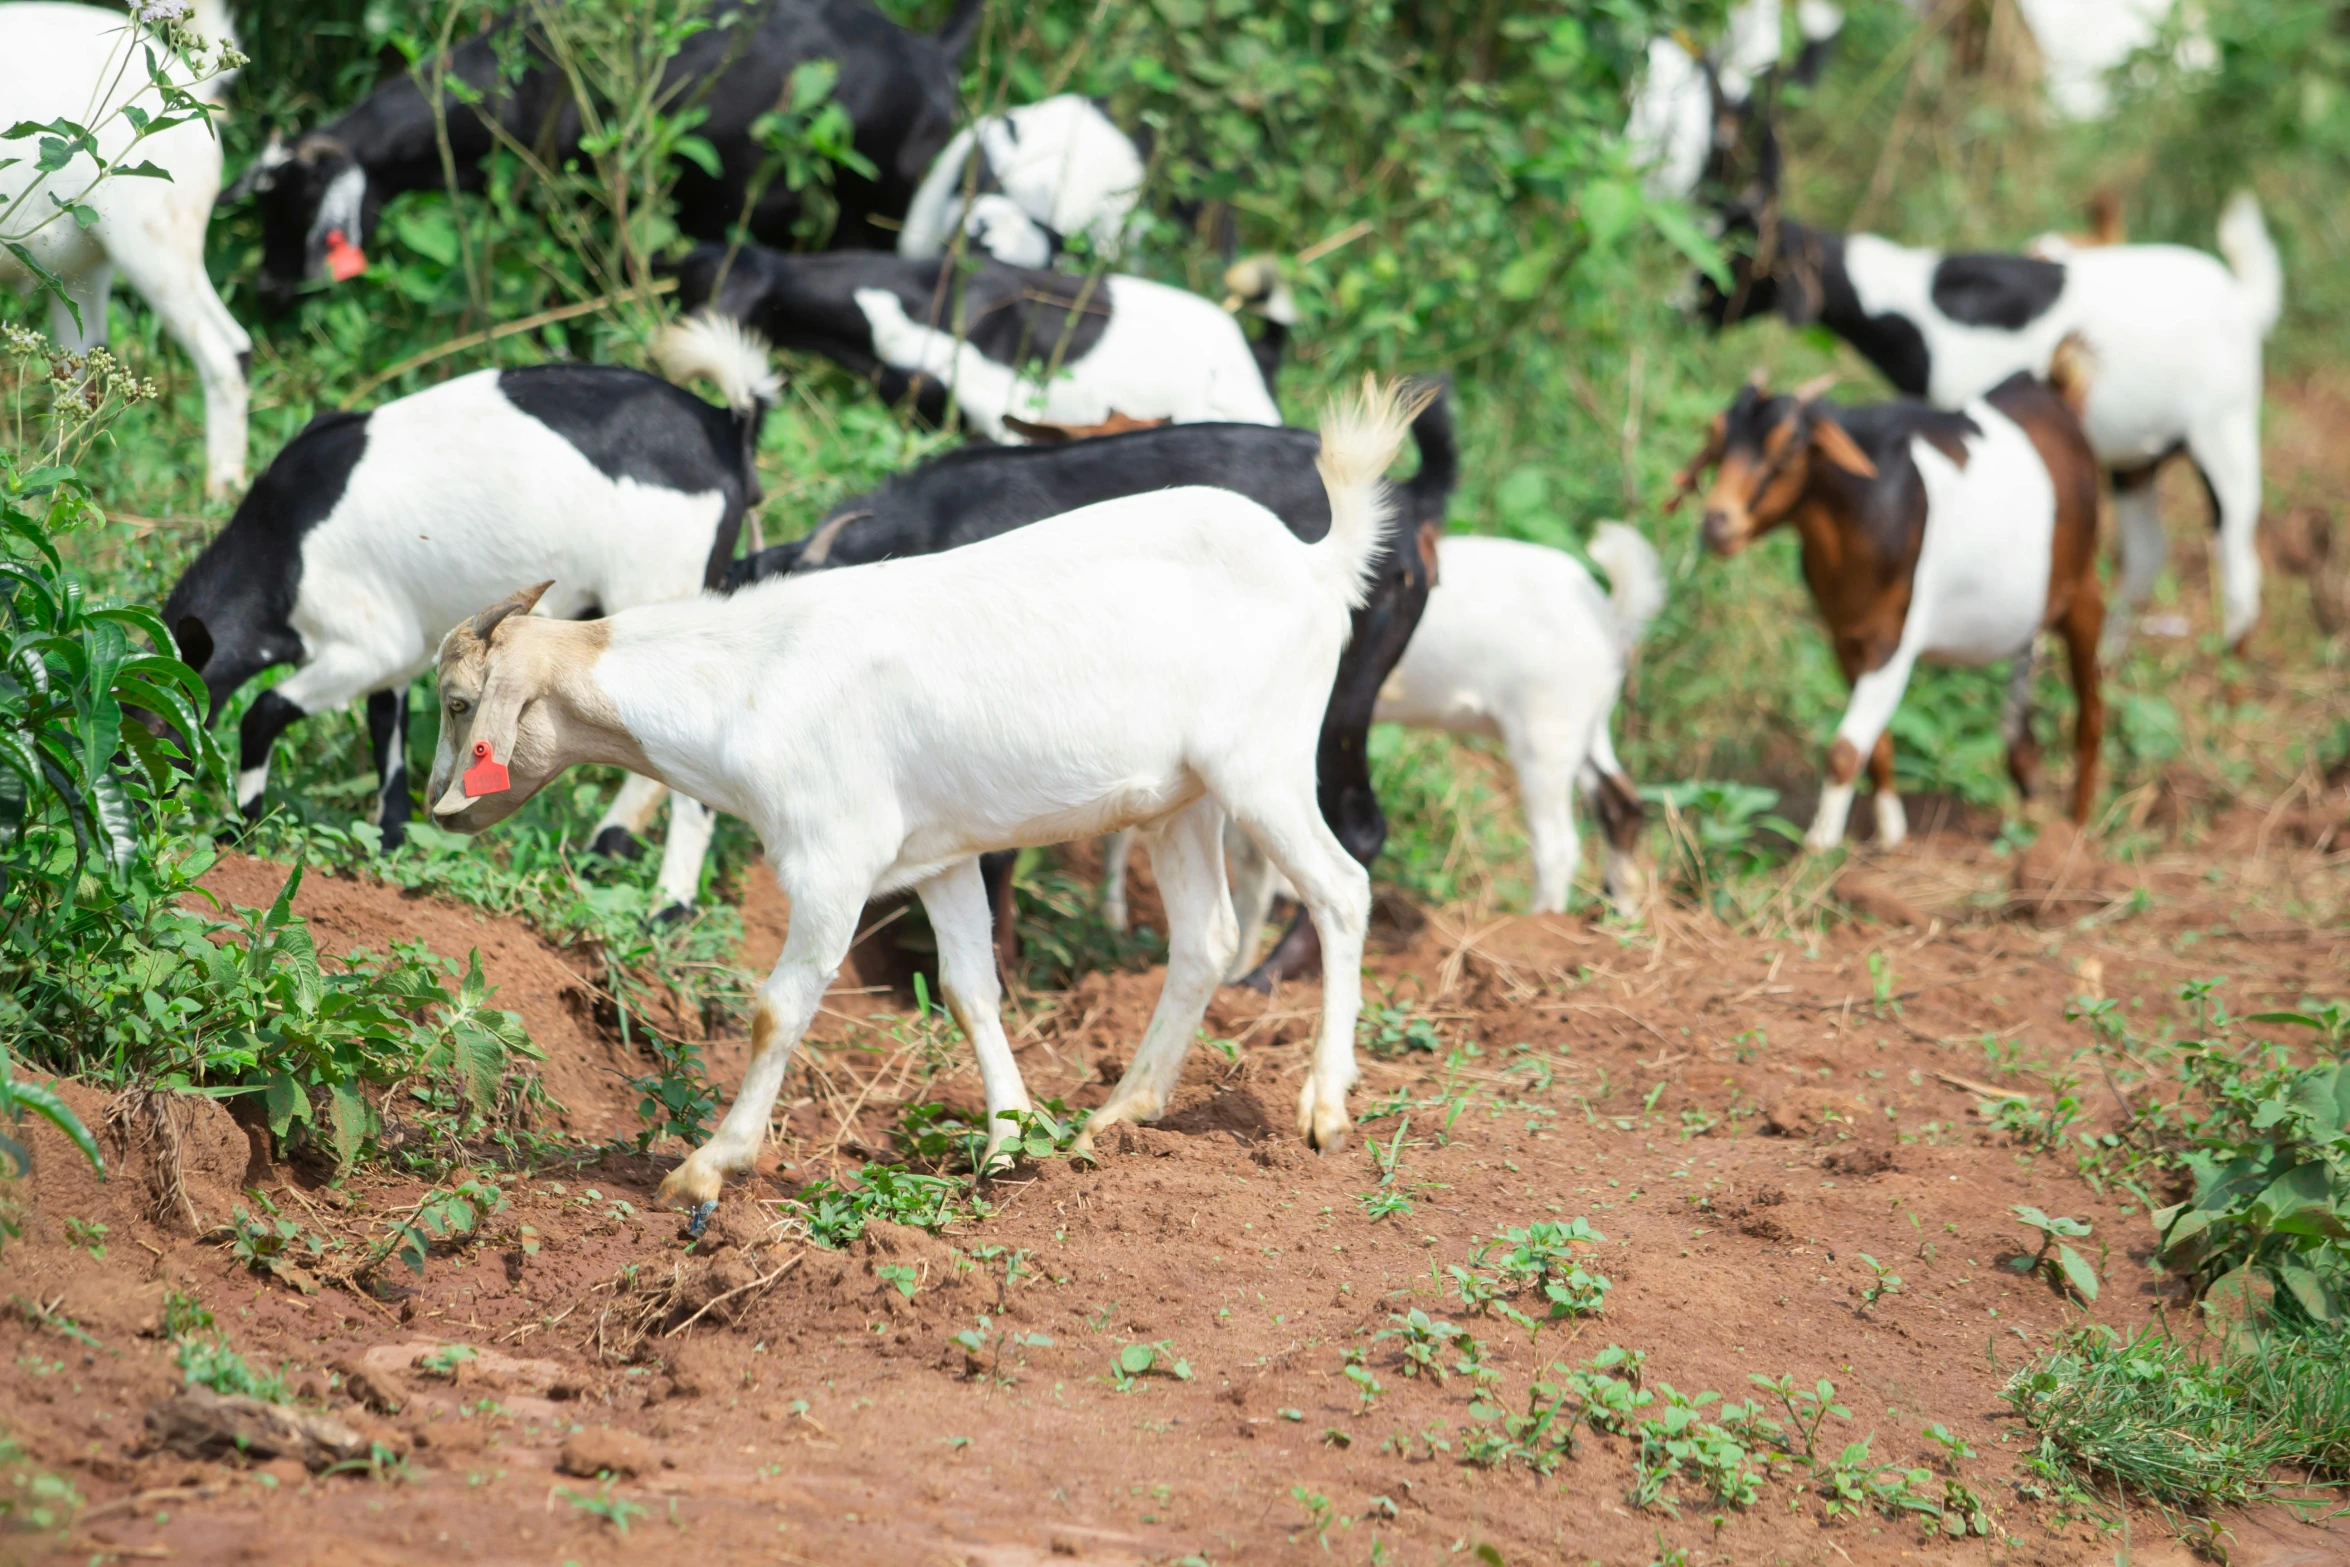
<point x="1022" y="183"/>
<point x="373" y="533"/>
<point x="2174" y="334"/>
<point x="321" y="192"/>
<point x="1036" y="347"/>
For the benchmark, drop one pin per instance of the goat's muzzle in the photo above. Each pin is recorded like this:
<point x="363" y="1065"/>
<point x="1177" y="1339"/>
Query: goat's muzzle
<point x="1726" y="532"/>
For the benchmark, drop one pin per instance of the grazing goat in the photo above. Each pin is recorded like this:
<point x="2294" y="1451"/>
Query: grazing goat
<point x="1520" y="643"/>
<point x="1046" y="172"/>
<point x="1688" y="111"/>
<point x="2175" y="336"/>
<point x="59" y="61"/>
<point x="321" y="193"/>
<point x="982" y="491"/>
<point x="373" y="533"/>
<point x="1040" y="346"/>
<point x="2081" y="41"/>
<point x="1156" y="661"/>
<point x="1952" y="536"/>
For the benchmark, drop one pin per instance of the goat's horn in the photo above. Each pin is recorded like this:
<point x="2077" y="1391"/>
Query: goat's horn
<point x="1809" y="392"/>
<point x="1760" y="379"/>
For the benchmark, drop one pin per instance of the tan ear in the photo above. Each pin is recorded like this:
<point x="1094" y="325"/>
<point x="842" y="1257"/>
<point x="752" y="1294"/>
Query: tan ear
<point x="520" y="602"/>
<point x="1830" y="441"/>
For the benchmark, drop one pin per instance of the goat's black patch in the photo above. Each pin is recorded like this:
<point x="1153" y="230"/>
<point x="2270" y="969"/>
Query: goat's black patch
<point x="2007" y="292"/>
<point x="233" y="607"/>
<point x="629" y="424"/>
<point x="1891" y="342"/>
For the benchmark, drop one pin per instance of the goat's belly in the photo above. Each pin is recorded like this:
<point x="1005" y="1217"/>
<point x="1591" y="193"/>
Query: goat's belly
<point x="1009" y="823"/>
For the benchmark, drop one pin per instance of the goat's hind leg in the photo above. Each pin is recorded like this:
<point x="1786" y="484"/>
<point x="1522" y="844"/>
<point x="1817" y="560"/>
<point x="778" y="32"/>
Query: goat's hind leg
<point x="2015" y="722"/>
<point x="823" y="922"/>
<point x="2083" y="621"/>
<point x="956" y="901"/>
<point x="1187" y="857"/>
<point x="387" y="731"/>
<point x="619" y="833"/>
<point x="1336" y="893"/>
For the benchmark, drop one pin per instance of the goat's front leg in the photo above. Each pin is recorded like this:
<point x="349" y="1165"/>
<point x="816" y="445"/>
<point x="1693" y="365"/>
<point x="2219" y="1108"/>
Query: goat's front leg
<point x="1187" y="857"/>
<point x="387" y="730"/>
<point x="823" y="922"/>
<point x="1875" y="696"/>
<point x="956" y="901"/>
<point x="1892" y="820"/>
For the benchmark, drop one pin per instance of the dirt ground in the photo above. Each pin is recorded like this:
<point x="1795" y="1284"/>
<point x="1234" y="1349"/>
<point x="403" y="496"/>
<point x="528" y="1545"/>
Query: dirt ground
<point x="1739" y="1118"/>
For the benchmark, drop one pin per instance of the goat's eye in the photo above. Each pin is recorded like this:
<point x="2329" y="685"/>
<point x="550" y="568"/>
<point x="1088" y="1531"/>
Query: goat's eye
<point x="458" y="707"/>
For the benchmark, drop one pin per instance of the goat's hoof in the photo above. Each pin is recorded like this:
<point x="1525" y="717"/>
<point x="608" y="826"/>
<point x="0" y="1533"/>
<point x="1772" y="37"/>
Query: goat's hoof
<point x="693" y="1186"/>
<point x="617" y="843"/>
<point x="674" y="914"/>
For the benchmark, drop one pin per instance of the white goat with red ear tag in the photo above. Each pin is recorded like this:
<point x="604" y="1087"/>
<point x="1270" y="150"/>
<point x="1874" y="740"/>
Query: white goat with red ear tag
<point x="879" y="731"/>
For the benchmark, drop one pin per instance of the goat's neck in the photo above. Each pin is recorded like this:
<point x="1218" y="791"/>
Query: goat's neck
<point x="1815" y="263"/>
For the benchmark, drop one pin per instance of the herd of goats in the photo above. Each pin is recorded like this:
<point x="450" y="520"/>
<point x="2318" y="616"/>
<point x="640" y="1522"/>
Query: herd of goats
<point x="1135" y="602"/>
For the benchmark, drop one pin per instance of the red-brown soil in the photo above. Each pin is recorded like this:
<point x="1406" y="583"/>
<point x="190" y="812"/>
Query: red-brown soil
<point x="1739" y="1117"/>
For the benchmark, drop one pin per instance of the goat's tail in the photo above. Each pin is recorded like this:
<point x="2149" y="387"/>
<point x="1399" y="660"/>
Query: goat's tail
<point x="2071" y="370"/>
<point x="1440" y="456"/>
<point x="2252" y="256"/>
<point x="1636" y="580"/>
<point x="1360" y="437"/>
<point x="731" y="355"/>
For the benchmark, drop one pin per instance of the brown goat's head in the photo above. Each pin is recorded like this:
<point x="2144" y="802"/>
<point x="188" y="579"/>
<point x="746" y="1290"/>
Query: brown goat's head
<point x="1761" y="450"/>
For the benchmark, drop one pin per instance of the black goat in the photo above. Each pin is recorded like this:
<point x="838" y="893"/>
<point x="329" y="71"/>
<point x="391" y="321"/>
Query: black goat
<point x="321" y="193"/>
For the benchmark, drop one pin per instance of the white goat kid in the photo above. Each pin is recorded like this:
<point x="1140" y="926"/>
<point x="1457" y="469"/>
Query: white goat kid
<point x="1518" y="642"/>
<point x="1047" y="171"/>
<point x="882" y="726"/>
<point x="61" y="61"/>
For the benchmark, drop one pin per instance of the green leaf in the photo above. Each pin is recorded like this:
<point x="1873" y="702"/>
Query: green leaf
<point x="481" y="1065"/>
<point x="51" y="283"/>
<point x="349" y="1122"/>
<point x="2307" y="1289"/>
<point x="284" y="1102"/>
<point x="1609" y="208"/>
<point x="698" y="151"/>
<point x="1135" y="1359"/>
<point x="44" y="1102"/>
<point x="2077" y="1272"/>
<point x="1525" y="275"/>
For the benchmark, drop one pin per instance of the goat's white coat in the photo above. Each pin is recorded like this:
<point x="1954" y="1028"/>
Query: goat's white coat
<point x="1979" y="594"/>
<point x="1155" y="661"/>
<point x="1165" y="354"/>
<point x="1062" y="163"/>
<point x="1670" y="130"/>
<point x="459" y="498"/>
<point x="56" y="61"/>
<point x="2174" y="338"/>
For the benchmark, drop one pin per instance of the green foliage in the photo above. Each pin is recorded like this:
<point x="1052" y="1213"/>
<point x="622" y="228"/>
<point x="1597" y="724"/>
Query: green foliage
<point x="1543" y="1257"/>
<point x="676" y="1100"/>
<point x="1136" y="1361"/>
<point x="274" y="1244"/>
<point x="2270" y="1159"/>
<point x="2203" y="1430"/>
<point x="17" y="1096"/>
<point x="455" y="1215"/>
<point x="207" y="1360"/>
<point x="33" y="1498"/>
<point x="2066" y="1268"/>
<point x="605" y="1503"/>
<point x="836" y="1214"/>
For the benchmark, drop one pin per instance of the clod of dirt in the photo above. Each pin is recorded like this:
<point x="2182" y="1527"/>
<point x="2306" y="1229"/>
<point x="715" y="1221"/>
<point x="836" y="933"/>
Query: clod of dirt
<point x="442" y="1441"/>
<point x="602" y="1450"/>
<point x="1877" y="899"/>
<point x="200" y="1423"/>
<point x="370" y="1389"/>
<point x="1857" y="1159"/>
<point x="1814" y="1114"/>
<point x="695" y="1368"/>
<point x="2059" y="874"/>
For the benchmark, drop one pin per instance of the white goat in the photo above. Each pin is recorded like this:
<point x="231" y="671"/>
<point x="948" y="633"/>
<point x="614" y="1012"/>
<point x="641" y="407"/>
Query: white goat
<point x="1047" y="171"/>
<point x="1674" y="126"/>
<point x="1517" y="642"/>
<point x="2081" y="41"/>
<point x="66" y="61"/>
<point x="1157" y="661"/>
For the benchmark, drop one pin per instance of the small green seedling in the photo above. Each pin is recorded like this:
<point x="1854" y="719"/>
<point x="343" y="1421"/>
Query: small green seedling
<point x="88" y="1234"/>
<point x="1136" y="1361"/>
<point x="445" y="1361"/>
<point x="614" y="1509"/>
<point x="2067" y="1268"/>
<point x="1885" y="1282"/>
<point x="1953" y="1445"/>
<point x="899" y="1277"/>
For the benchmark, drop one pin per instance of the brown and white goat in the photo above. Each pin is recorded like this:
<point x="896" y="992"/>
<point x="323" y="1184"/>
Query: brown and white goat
<point x="1956" y="537"/>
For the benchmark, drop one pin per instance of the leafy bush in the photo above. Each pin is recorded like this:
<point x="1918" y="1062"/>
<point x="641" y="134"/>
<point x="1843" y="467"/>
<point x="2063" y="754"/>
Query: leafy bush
<point x="836" y="1214"/>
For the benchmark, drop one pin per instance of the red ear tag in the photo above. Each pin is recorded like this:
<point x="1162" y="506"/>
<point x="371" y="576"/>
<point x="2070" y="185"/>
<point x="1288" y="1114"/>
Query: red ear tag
<point x="344" y="260"/>
<point x="484" y="776"/>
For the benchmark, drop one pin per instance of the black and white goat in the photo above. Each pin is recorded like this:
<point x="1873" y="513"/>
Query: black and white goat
<point x="373" y="533"/>
<point x="981" y="492"/>
<point x="2081" y="41"/>
<point x="1001" y="343"/>
<point x="1045" y="173"/>
<point x="1688" y="110"/>
<point x="58" y="61"/>
<point x="881" y="730"/>
<point x="321" y="192"/>
<point x="2175" y="336"/>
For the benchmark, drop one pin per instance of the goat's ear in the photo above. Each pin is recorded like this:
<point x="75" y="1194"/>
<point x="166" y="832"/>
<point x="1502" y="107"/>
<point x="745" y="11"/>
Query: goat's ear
<point x="520" y="602"/>
<point x="261" y="173"/>
<point x="194" y="640"/>
<point x="1829" y="440"/>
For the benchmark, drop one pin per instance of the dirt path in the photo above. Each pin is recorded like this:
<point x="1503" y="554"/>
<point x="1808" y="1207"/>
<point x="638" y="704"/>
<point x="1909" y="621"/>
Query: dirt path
<point x="1739" y="1118"/>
